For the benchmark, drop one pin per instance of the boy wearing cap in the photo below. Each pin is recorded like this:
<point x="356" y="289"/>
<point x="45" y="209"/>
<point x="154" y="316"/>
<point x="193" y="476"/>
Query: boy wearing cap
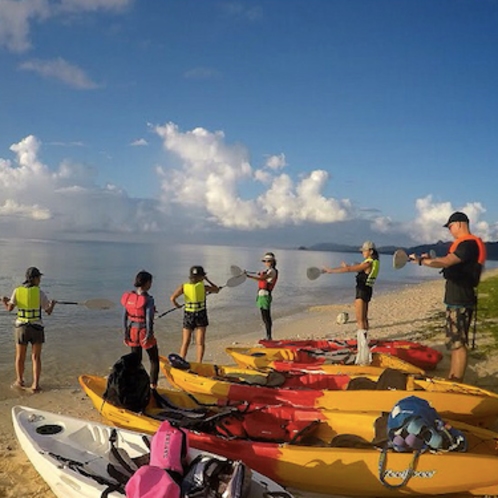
<point x="30" y="300"/>
<point x="195" y="315"/>
<point x="367" y="272"/>
<point x="266" y="283"/>
<point x="461" y="268"/>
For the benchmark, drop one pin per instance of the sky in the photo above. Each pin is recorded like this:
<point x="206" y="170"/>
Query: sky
<point x="276" y="122"/>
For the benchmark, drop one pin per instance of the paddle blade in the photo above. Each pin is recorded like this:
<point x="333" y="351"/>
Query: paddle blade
<point x="98" y="304"/>
<point x="235" y="281"/>
<point x="236" y="270"/>
<point x="400" y="258"/>
<point x="313" y="272"/>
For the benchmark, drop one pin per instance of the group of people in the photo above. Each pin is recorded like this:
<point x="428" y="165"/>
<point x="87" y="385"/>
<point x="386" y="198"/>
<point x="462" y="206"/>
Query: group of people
<point x="139" y="309"/>
<point x="461" y="268"/>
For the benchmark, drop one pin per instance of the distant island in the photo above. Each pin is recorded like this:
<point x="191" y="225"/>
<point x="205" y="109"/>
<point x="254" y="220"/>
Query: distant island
<point x="440" y="247"/>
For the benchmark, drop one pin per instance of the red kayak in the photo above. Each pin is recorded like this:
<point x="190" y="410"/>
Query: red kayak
<point x="412" y="352"/>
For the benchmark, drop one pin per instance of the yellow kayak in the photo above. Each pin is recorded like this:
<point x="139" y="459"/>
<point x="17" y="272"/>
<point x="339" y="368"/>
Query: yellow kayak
<point x="285" y="359"/>
<point x="328" y="452"/>
<point x="335" y="391"/>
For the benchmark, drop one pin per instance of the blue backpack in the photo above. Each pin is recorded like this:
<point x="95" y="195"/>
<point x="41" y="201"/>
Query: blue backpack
<point x="415" y="426"/>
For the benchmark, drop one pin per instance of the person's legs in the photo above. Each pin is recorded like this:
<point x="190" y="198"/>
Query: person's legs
<point x="266" y="316"/>
<point x="186" y="335"/>
<point x="36" y="350"/>
<point x="361" y="312"/>
<point x="20" y="362"/>
<point x="153" y="353"/>
<point x="457" y="333"/>
<point x="200" y="341"/>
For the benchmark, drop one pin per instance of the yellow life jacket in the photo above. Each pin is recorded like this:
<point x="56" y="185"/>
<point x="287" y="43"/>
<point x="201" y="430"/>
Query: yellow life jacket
<point x="28" y="304"/>
<point x="374" y="271"/>
<point x="195" y="296"/>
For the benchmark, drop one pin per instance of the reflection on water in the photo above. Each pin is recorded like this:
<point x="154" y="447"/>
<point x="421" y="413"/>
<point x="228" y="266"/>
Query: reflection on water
<point x="79" y="340"/>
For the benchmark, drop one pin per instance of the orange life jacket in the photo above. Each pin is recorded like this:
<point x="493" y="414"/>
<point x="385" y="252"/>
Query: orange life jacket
<point x="480" y="244"/>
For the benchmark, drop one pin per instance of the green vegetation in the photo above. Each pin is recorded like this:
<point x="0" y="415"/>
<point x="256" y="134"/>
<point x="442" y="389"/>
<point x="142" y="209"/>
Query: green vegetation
<point x="487" y="313"/>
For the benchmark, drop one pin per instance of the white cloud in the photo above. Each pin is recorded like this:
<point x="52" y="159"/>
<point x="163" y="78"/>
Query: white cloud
<point x="17" y="16"/>
<point x="276" y="162"/>
<point x="212" y="172"/>
<point x="15" y="19"/>
<point x="67" y="198"/>
<point x="427" y="227"/>
<point x="61" y="70"/>
<point x="141" y="142"/>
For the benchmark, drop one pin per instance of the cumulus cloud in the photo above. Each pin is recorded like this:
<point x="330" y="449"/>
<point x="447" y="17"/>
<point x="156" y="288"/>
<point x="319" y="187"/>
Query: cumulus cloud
<point x="61" y="70"/>
<point x="276" y="162"/>
<point x="66" y="198"/>
<point x="18" y="16"/>
<point x="212" y="172"/>
<point x="430" y="217"/>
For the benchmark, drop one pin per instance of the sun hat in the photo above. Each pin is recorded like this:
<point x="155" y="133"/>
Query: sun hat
<point x="197" y="271"/>
<point x="269" y="256"/>
<point x="31" y="273"/>
<point x="367" y="245"/>
<point x="456" y="216"/>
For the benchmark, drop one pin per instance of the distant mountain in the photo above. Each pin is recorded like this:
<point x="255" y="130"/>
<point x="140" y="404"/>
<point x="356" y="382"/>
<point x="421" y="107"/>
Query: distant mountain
<point x="440" y="247"/>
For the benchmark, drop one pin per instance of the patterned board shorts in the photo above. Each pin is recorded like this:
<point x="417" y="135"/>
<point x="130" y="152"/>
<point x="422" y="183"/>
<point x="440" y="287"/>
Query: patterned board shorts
<point x="194" y="320"/>
<point x="457" y="327"/>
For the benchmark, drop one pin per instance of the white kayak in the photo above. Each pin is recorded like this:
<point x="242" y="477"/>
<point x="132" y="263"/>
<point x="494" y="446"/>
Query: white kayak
<point x="72" y="455"/>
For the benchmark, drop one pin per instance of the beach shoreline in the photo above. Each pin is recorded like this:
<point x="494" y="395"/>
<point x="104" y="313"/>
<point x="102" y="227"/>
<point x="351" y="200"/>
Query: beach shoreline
<point x="407" y="313"/>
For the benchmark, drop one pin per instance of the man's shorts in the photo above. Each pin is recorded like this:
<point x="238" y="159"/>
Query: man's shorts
<point x="29" y="333"/>
<point x="457" y="327"/>
<point x="364" y="293"/>
<point x="194" y="320"/>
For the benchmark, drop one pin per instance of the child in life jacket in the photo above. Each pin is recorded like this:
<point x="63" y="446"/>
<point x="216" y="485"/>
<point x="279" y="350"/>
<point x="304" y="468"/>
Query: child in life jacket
<point x="195" y="316"/>
<point x="266" y="283"/>
<point x="138" y="322"/>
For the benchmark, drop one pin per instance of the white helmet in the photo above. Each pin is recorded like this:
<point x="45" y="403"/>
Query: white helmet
<point x="342" y="318"/>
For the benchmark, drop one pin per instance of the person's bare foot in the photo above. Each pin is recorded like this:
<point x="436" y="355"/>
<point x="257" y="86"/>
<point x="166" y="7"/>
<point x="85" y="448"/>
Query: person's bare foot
<point x="18" y="384"/>
<point x="35" y="389"/>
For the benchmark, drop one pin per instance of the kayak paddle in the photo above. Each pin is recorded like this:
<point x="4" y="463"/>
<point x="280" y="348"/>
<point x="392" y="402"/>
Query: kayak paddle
<point x="92" y="304"/>
<point x="400" y="258"/>
<point x="313" y="272"/>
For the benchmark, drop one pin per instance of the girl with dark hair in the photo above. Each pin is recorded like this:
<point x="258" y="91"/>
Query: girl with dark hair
<point x="138" y="322"/>
<point x="266" y="282"/>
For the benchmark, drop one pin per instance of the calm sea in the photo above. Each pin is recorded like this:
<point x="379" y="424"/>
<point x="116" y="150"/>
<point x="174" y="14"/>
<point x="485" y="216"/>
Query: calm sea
<point x="79" y="340"/>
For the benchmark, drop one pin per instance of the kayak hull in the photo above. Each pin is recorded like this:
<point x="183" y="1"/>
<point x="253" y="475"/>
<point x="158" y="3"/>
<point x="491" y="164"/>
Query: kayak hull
<point x="338" y="470"/>
<point x="452" y="400"/>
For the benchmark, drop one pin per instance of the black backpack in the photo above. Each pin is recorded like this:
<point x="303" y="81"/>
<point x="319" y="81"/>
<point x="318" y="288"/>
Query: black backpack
<point x="128" y="384"/>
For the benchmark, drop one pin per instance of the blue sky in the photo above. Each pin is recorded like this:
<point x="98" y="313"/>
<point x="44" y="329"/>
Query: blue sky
<point x="282" y="122"/>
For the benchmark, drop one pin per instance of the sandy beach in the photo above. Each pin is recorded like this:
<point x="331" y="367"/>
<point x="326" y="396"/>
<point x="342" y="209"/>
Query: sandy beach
<point x="407" y="313"/>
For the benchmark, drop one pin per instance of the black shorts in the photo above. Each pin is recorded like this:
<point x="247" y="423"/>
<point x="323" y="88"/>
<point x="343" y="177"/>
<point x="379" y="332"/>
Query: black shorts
<point x="29" y="333"/>
<point x="194" y="320"/>
<point x="364" y="293"/>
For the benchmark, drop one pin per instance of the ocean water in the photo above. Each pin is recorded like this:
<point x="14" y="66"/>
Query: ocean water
<point x="79" y="340"/>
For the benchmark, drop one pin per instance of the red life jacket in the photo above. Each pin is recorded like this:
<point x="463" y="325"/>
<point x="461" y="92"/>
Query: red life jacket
<point x="135" y="308"/>
<point x="264" y="284"/>
<point x="480" y="244"/>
